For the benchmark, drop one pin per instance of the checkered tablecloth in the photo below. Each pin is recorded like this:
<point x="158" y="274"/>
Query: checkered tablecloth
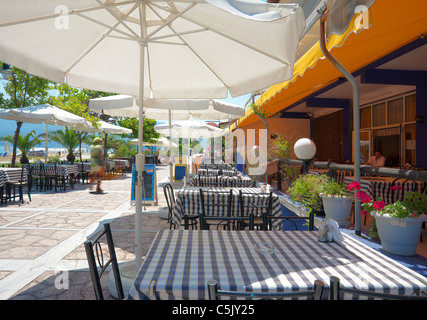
<point x="62" y="169"/>
<point x="12" y="174"/>
<point x="379" y="187"/>
<point x="180" y="262"/>
<point x="188" y="202"/>
<point x="226" y="181"/>
<point x="224" y="172"/>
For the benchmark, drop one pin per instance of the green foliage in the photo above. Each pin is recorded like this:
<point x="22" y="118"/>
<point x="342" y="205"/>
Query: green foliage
<point x="149" y="134"/>
<point x="68" y="139"/>
<point x="25" y="143"/>
<point x="280" y="148"/>
<point x="333" y="187"/>
<point x="305" y="190"/>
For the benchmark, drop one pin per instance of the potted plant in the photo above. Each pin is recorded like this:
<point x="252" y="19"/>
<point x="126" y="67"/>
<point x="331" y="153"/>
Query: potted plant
<point x="399" y="223"/>
<point x="305" y="190"/>
<point x="337" y="202"/>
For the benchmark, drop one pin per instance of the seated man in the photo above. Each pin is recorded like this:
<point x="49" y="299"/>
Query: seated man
<point x="377" y="160"/>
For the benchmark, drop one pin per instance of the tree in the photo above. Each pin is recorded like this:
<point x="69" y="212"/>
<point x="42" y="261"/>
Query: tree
<point x="149" y="134"/>
<point x="25" y="143"/>
<point x="67" y="138"/>
<point x="23" y="90"/>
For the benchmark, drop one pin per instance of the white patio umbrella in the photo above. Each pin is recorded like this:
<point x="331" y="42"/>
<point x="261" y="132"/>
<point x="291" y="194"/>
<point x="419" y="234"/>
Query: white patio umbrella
<point x="161" y="142"/>
<point x="153" y="48"/>
<point x="48" y="114"/>
<point x="113" y="129"/>
<point x="181" y="109"/>
<point x="189" y="129"/>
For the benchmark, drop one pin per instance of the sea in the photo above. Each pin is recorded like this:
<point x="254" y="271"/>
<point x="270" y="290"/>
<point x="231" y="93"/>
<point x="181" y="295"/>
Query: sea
<point x="8" y="127"/>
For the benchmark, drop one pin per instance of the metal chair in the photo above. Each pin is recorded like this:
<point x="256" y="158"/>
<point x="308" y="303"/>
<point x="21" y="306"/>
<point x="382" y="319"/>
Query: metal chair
<point x="190" y="220"/>
<point x="257" y="204"/>
<point x="216" y="204"/>
<point x="96" y="259"/>
<point x="291" y="220"/>
<point x="21" y="183"/>
<point x="314" y="294"/>
<point x="336" y="291"/>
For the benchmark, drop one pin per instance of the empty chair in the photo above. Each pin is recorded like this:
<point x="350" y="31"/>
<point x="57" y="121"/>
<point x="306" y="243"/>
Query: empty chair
<point x="20" y="183"/>
<point x="257" y="204"/>
<point x="336" y="292"/>
<point x="291" y="222"/>
<point x="216" y="204"/>
<point x="190" y="220"/>
<point x="314" y="294"/>
<point x="97" y="265"/>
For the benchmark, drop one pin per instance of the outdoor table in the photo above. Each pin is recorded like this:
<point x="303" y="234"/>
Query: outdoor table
<point x="379" y="187"/>
<point x="11" y="174"/>
<point x="208" y="172"/>
<point x="227" y="181"/>
<point x="188" y="202"/>
<point x="180" y="262"/>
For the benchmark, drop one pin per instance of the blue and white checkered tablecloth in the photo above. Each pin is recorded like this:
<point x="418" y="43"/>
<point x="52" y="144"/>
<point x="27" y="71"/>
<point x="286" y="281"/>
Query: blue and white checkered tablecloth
<point x="188" y="202"/>
<point x="225" y="180"/>
<point x="11" y="174"/>
<point x="62" y="169"/>
<point x="224" y="172"/>
<point x="379" y="187"/>
<point x="180" y="262"/>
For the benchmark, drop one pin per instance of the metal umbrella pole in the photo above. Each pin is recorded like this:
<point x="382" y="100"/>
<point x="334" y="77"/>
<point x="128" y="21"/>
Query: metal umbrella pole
<point x="356" y="114"/>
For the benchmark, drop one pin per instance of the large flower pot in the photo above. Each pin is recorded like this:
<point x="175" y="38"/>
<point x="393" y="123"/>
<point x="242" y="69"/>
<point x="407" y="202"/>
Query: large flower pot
<point x="337" y="208"/>
<point x="399" y="236"/>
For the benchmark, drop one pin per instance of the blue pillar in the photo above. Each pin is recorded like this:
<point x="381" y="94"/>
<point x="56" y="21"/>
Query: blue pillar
<point x="421" y="125"/>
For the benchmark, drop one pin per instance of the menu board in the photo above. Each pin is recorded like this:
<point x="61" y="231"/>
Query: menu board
<point x="149" y="176"/>
<point x="180" y="171"/>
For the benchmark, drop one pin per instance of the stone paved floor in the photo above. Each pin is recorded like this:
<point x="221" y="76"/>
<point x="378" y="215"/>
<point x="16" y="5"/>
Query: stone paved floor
<point x="42" y="256"/>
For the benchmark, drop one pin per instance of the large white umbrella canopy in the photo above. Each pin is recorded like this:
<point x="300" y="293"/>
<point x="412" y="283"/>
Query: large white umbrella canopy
<point x="48" y="114"/>
<point x="153" y="48"/>
<point x="112" y="128"/>
<point x="181" y="109"/>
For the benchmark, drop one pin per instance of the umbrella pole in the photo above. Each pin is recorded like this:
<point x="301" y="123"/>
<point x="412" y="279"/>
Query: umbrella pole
<point x="356" y="112"/>
<point x="46" y="147"/>
<point x="170" y="147"/>
<point x="139" y="159"/>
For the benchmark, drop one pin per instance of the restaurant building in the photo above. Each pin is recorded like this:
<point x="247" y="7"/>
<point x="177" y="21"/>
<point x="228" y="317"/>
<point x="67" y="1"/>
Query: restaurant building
<point x="385" y="49"/>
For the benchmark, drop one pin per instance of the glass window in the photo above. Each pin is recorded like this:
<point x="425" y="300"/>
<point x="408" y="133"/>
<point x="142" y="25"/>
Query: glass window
<point x="395" y="111"/>
<point x="410" y="149"/>
<point x="379" y="114"/>
<point x="365" y="117"/>
<point x="410" y="108"/>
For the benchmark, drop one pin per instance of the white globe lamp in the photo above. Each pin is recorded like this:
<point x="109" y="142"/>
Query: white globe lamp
<point x="305" y="149"/>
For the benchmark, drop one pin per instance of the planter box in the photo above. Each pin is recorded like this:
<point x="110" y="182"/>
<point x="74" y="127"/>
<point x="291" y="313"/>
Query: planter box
<point x="399" y="236"/>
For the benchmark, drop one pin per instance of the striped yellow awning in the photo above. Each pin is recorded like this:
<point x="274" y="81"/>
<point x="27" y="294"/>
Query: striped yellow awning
<point x="393" y="24"/>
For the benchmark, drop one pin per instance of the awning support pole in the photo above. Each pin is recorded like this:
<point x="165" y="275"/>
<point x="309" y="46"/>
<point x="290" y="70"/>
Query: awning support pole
<point x="356" y="114"/>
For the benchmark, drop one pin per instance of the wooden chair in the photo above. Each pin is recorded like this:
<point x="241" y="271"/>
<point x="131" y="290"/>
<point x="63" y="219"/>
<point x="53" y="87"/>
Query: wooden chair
<point x="336" y="291"/>
<point x="314" y="294"/>
<point x="96" y="260"/>
<point x="21" y="183"/>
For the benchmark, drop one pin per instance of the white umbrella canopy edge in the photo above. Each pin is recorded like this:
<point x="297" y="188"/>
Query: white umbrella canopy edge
<point x="192" y="24"/>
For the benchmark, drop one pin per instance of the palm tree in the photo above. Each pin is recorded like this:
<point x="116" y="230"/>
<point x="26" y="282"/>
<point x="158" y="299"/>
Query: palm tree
<point x="25" y="143"/>
<point x="68" y="139"/>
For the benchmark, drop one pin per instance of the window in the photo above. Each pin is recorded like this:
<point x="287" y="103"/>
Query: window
<point x="395" y="111"/>
<point x="410" y="108"/>
<point x="365" y="117"/>
<point x="379" y="114"/>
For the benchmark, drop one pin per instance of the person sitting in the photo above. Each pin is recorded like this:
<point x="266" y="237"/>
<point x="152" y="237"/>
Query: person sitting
<point x="378" y="160"/>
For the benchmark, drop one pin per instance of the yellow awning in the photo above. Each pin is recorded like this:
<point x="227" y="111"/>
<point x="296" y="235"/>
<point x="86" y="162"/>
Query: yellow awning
<point x="393" y="24"/>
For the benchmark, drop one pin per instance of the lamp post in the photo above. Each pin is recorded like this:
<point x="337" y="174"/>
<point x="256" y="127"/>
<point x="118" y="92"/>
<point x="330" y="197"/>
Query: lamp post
<point x="305" y="149"/>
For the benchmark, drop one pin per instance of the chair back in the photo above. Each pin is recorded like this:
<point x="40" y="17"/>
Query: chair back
<point x="314" y="294"/>
<point x="97" y="265"/>
<point x="336" y="292"/>
<point x="257" y="204"/>
<point x="170" y="196"/>
<point x="216" y="202"/>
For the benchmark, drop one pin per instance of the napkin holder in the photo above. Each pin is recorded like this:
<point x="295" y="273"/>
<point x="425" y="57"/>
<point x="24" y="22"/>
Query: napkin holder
<point x="329" y="232"/>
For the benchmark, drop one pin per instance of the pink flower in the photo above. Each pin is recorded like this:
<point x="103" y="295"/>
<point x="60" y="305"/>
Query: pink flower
<point x="396" y="188"/>
<point x="363" y="197"/>
<point x="379" y="205"/>
<point x="363" y="212"/>
<point x="353" y="185"/>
